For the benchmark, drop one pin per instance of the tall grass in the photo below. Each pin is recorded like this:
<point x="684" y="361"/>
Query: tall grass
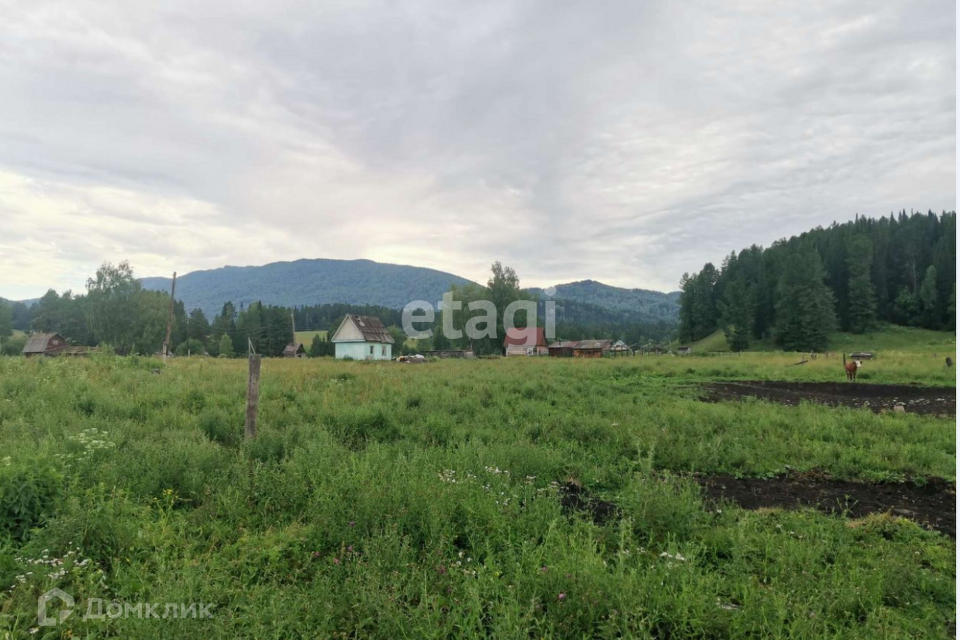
<point x="382" y="501"/>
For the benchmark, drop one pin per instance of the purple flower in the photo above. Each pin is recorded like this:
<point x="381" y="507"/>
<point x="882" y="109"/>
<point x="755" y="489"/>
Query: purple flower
<point x="316" y="554"/>
<point x="350" y="548"/>
<point x="562" y="596"/>
<point x="352" y="523"/>
<point x="544" y="568"/>
<point x="336" y="561"/>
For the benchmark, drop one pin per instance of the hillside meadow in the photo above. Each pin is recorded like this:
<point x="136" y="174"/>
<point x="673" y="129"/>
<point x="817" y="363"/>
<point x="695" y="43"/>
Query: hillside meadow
<point x="382" y="500"/>
<point x="890" y="338"/>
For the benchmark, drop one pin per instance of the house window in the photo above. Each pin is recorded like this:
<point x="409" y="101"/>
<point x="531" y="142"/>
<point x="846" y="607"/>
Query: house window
<point x="371" y="349"/>
<point x="383" y="351"/>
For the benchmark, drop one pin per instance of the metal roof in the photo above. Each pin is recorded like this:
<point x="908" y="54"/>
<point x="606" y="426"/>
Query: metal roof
<point x="528" y="337"/>
<point x="593" y="344"/>
<point x="372" y="328"/>
<point x="38" y="342"/>
<point x="293" y="348"/>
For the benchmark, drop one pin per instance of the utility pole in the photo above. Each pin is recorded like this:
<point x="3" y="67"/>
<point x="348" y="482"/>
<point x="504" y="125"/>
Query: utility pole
<point x="253" y="391"/>
<point x="293" y="326"/>
<point x="166" y="341"/>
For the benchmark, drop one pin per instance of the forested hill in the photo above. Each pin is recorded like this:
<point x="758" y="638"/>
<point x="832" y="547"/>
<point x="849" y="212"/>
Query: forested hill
<point x="899" y="269"/>
<point x="310" y="282"/>
<point x="638" y="303"/>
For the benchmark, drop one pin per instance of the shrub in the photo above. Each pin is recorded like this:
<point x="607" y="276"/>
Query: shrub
<point x="28" y="492"/>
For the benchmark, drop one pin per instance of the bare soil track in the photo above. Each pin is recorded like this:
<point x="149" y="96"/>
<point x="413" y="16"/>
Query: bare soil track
<point x="876" y="397"/>
<point x="931" y="503"/>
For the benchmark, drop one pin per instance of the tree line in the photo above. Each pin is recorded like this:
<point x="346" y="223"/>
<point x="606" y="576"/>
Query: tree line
<point x="852" y="277"/>
<point x="116" y="310"/>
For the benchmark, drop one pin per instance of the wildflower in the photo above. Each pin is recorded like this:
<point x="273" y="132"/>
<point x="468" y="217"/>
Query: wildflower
<point x="544" y="569"/>
<point x="352" y="523"/>
<point x="350" y="548"/>
<point x="336" y="561"/>
<point x="562" y="597"/>
<point x="316" y="554"/>
<point x="441" y="569"/>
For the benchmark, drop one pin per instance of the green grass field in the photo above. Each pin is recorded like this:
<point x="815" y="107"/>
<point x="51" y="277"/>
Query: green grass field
<point x="889" y="338"/>
<point x="306" y="337"/>
<point x="381" y="500"/>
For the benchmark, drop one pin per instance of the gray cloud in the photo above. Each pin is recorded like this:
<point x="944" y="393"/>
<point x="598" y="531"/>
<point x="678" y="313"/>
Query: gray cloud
<point x="622" y="141"/>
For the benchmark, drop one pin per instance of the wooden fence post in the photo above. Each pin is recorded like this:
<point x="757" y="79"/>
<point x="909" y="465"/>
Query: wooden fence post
<point x="253" y="395"/>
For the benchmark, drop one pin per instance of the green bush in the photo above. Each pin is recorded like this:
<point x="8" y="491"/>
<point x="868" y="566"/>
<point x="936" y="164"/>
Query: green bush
<point x="28" y="493"/>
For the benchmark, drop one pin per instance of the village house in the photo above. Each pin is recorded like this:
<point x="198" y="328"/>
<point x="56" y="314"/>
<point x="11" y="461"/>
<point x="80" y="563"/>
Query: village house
<point x="52" y="344"/>
<point x="591" y="348"/>
<point x="621" y="348"/>
<point x="294" y="351"/>
<point x="525" y="342"/>
<point x="562" y="349"/>
<point x="362" y="338"/>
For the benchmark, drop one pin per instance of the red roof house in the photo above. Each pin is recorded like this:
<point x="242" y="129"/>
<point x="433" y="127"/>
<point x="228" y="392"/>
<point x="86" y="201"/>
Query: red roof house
<point x="525" y="342"/>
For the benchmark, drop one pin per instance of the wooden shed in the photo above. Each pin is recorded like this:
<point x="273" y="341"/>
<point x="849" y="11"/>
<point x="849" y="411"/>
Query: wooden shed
<point x="562" y="349"/>
<point x="47" y="344"/>
<point x="294" y="351"/>
<point x="591" y="348"/>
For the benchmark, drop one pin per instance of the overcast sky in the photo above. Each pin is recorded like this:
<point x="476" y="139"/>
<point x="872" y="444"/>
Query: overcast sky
<point x="625" y="142"/>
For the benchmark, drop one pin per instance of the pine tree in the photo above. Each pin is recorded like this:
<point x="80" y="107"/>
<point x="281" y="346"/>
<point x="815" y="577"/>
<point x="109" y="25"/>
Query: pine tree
<point x="6" y="321"/>
<point x="906" y="307"/>
<point x="316" y="347"/>
<point x="737" y="315"/>
<point x="805" y="304"/>
<point x="929" y="301"/>
<point x="861" y="298"/>
<point x="226" y="347"/>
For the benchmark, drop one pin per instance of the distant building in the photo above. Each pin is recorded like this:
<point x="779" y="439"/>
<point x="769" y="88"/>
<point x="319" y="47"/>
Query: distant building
<point x="562" y="349"/>
<point x="684" y="350"/>
<point x="525" y="342"/>
<point x="449" y="353"/>
<point x="295" y="351"/>
<point x="621" y="348"/>
<point x="52" y="344"/>
<point x="363" y="338"/>
<point x="591" y="348"/>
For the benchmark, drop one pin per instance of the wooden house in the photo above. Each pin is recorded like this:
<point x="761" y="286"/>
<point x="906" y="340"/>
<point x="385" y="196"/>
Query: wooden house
<point x="562" y="349"/>
<point x="591" y="348"/>
<point x="684" y="350"/>
<point x="525" y="342"/>
<point x="621" y="348"/>
<point x="362" y="338"/>
<point x="50" y="344"/>
<point x="294" y="351"/>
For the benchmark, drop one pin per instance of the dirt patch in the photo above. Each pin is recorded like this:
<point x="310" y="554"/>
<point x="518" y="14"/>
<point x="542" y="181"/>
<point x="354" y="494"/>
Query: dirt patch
<point x="876" y="397"/>
<point x="932" y="503"/>
<point x="574" y="497"/>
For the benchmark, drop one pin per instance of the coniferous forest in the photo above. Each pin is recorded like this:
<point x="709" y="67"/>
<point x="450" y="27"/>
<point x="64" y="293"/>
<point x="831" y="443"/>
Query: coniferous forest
<point x="899" y="269"/>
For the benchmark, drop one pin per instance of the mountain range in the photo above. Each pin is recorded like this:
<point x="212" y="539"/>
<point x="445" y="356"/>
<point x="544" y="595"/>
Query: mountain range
<point x="322" y="281"/>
